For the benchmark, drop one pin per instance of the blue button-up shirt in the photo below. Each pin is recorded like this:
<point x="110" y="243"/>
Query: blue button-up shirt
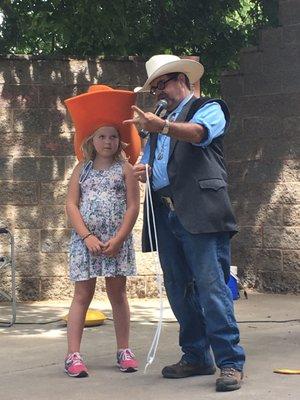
<point x="210" y="116"/>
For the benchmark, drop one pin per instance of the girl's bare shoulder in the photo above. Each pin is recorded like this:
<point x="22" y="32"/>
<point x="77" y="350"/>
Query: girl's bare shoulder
<point x="78" y="168"/>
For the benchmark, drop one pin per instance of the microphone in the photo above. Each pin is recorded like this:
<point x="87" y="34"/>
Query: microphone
<point x="160" y="106"/>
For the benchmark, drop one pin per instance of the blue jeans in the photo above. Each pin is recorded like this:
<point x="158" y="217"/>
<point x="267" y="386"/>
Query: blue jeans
<point x="195" y="267"/>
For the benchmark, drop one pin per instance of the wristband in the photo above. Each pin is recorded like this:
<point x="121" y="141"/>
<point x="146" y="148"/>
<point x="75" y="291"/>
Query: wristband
<point x="166" y="128"/>
<point x="86" y="236"/>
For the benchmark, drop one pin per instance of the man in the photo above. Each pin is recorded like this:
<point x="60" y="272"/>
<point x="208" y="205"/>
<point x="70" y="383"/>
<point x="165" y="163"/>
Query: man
<point x="194" y="219"/>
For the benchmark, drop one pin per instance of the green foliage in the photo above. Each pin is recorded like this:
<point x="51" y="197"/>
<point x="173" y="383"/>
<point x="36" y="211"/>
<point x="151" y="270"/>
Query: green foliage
<point x="213" y="29"/>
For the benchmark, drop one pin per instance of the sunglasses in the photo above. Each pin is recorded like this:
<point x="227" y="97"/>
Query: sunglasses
<point x="161" y="85"/>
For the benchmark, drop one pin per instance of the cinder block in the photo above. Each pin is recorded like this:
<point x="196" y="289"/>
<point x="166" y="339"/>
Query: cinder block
<point x="289" y="12"/>
<point x="28" y="288"/>
<point x="38" y="71"/>
<point x="58" y="145"/>
<point x="84" y="72"/>
<point x="54" y="288"/>
<point x="269" y="281"/>
<point x="285" y="105"/>
<point x="232" y="85"/>
<point x="5" y="120"/>
<point x="290" y="171"/>
<point x="282" y="282"/>
<point x="254" y="259"/>
<point x="291" y="127"/>
<point x="291" y="35"/>
<point x="133" y="72"/>
<point x="291" y="215"/>
<point x="6" y="168"/>
<point x="258" y="214"/>
<point x="258" y="128"/>
<point x="19" y="96"/>
<point x="38" y="169"/>
<point x="52" y="216"/>
<point x="251" y="61"/>
<point x="41" y="265"/>
<point x="17" y="193"/>
<point x="54" y="193"/>
<point x="53" y="96"/>
<point x="55" y="240"/>
<point x="281" y="237"/>
<point x="291" y="82"/>
<point x="263" y="83"/>
<point x="21" y="217"/>
<point x="70" y="163"/>
<point x="279" y="193"/>
<point x="146" y="263"/>
<point x="249" y="237"/>
<point x="27" y="240"/>
<point x="270" y="38"/>
<point x="136" y="287"/>
<point x="291" y="261"/>
<point x="5" y="71"/>
<point x="137" y="235"/>
<point x="19" y="144"/>
<point x="40" y="120"/>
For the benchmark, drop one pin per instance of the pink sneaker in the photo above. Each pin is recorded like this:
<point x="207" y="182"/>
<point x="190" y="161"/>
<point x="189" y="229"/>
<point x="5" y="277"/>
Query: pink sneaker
<point x="126" y="361"/>
<point x="75" y="367"/>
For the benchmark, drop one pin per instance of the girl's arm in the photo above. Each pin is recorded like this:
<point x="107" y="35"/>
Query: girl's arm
<point x="72" y="206"/>
<point x="131" y="214"/>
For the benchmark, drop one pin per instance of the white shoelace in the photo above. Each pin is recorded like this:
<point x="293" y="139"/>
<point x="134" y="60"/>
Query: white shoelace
<point x="125" y="354"/>
<point x="74" y="358"/>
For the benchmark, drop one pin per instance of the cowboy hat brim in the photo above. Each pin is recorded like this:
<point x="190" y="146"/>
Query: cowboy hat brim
<point x="192" y="69"/>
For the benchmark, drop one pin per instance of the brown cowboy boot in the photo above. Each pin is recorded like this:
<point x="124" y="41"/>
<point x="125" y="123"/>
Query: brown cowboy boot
<point x="183" y="370"/>
<point x="230" y="379"/>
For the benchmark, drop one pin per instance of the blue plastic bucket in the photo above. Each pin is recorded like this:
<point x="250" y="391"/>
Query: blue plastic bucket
<point x="232" y="283"/>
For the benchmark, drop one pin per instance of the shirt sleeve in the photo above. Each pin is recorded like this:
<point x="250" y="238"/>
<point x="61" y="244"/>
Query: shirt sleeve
<point x="213" y="119"/>
<point x="146" y="155"/>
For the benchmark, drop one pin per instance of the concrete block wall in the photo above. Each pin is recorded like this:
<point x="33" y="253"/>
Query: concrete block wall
<point x="263" y="150"/>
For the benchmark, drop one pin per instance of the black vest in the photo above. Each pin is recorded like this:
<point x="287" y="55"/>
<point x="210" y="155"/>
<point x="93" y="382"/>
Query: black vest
<point x="198" y="180"/>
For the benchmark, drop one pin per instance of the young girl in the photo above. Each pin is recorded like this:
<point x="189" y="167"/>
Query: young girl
<point x="102" y="205"/>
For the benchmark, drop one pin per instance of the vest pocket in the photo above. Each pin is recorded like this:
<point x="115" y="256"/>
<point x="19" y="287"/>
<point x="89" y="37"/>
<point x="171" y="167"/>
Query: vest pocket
<point x="214" y="184"/>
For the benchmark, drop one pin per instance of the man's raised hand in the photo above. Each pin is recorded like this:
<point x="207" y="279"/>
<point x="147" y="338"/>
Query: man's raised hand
<point x="146" y="120"/>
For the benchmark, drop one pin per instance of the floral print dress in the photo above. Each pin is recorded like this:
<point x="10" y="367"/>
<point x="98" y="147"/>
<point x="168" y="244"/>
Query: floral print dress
<point x="102" y="206"/>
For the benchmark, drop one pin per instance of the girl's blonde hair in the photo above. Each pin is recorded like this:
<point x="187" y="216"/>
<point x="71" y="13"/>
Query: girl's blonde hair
<point x="89" y="151"/>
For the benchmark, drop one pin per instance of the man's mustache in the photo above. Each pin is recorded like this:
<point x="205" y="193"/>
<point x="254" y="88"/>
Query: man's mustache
<point x="162" y="96"/>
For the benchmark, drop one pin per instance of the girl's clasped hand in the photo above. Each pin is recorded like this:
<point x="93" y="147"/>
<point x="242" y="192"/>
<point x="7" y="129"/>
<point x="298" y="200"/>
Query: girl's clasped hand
<point x="96" y="247"/>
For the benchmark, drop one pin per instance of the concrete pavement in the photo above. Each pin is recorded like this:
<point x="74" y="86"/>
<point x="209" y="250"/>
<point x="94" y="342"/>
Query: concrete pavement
<point x="31" y="356"/>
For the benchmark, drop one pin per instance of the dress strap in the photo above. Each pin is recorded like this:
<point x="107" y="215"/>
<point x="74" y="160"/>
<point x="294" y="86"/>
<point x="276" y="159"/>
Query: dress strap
<point x="85" y="171"/>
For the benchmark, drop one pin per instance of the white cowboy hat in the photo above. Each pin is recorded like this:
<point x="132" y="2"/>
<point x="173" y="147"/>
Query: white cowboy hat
<point x="163" y="64"/>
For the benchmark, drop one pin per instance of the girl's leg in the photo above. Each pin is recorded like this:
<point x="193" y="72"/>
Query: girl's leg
<point x="83" y="295"/>
<point x="116" y="292"/>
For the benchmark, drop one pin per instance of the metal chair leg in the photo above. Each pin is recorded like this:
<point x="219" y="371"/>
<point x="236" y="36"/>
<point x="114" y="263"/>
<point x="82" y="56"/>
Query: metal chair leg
<point x="9" y="262"/>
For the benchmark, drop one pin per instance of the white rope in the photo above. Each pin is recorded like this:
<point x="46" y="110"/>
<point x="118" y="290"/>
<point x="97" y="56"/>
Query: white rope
<point x="154" y="345"/>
